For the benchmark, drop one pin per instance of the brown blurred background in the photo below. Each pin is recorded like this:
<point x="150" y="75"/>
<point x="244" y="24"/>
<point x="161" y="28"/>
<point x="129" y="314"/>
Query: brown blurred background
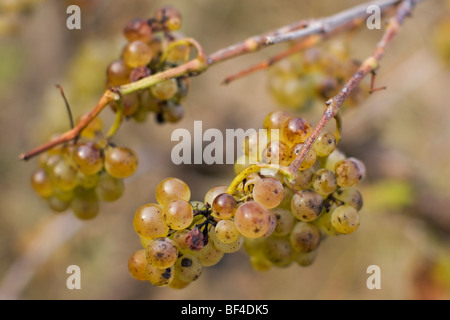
<point x="402" y="135"/>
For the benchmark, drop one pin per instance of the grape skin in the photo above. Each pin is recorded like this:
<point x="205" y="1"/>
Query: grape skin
<point x="252" y="219"/>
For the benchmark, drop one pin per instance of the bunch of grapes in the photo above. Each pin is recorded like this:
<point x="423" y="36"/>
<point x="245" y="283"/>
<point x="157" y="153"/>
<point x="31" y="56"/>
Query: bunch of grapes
<point x="278" y="221"/>
<point x="79" y="175"/>
<point x="147" y="52"/>
<point x="314" y="75"/>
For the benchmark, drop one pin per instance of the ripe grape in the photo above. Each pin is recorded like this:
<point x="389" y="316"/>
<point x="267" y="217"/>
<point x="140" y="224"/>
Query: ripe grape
<point x="276" y="119"/>
<point x="296" y="130"/>
<point x="325" y="144"/>
<point x="306" y="205"/>
<point x="172" y="189"/>
<point x="226" y="231"/>
<point x="178" y="214"/>
<point x="209" y="255"/>
<point x="349" y="171"/>
<point x="333" y="159"/>
<point x="276" y="152"/>
<point x="109" y="188"/>
<point x="138" y="29"/>
<point x="165" y="90"/>
<point x="137" y="53"/>
<point x="269" y="192"/>
<point x="63" y="175"/>
<point x="85" y="205"/>
<point x="278" y="250"/>
<point x="350" y="196"/>
<point x="304" y="237"/>
<point x="169" y="17"/>
<point x="252" y="219"/>
<point x="89" y="158"/>
<point x="161" y="252"/>
<point x="303" y="179"/>
<point x="226" y="247"/>
<point x="224" y="206"/>
<point x="345" y="219"/>
<point x="305" y="259"/>
<point x="57" y="204"/>
<point x="149" y="223"/>
<point x="179" y="238"/>
<point x="309" y="160"/>
<point x="120" y="162"/>
<point x="137" y="265"/>
<point x="177" y="283"/>
<point x="213" y="193"/>
<point x="188" y="268"/>
<point x="41" y="183"/>
<point x="260" y="263"/>
<point x="159" y="277"/>
<point x="87" y="181"/>
<point x="118" y="73"/>
<point x="285" y="221"/>
<point x="324" y="181"/>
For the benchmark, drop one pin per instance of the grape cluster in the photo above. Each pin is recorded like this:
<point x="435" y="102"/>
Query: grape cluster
<point x="316" y="74"/>
<point x="278" y="222"/>
<point x="147" y="52"/>
<point x="79" y="175"/>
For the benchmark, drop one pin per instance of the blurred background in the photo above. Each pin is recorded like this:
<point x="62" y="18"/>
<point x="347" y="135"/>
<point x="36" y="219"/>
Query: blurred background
<point x="401" y="134"/>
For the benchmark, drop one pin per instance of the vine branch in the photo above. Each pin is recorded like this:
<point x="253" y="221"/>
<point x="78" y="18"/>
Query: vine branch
<point x="294" y="31"/>
<point x="369" y="65"/>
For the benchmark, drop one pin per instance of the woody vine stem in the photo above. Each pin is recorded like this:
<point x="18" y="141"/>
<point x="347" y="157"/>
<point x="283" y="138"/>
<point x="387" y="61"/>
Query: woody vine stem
<point x="306" y="33"/>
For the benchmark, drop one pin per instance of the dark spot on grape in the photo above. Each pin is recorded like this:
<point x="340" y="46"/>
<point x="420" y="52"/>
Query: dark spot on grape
<point x="160" y="254"/>
<point x="339" y="219"/>
<point x="186" y="262"/>
<point x="167" y="273"/>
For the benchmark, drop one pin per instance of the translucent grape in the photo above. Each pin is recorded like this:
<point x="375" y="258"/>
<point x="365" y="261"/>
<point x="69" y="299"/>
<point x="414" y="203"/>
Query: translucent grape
<point x="57" y="204"/>
<point x="137" y="265"/>
<point x="178" y="214"/>
<point x="63" y="176"/>
<point x="224" y="206"/>
<point x="260" y="263"/>
<point x="325" y="144"/>
<point x="176" y="282"/>
<point x="85" y="205"/>
<point x="93" y="128"/>
<point x="277" y="152"/>
<point x="120" y="162"/>
<point x="118" y="73"/>
<point x="305" y="259"/>
<point x="172" y="112"/>
<point x="41" y="183"/>
<point x="324" y="181"/>
<point x="324" y="221"/>
<point x="229" y="247"/>
<point x="333" y="159"/>
<point x="272" y="224"/>
<point x="213" y="193"/>
<point x="304" y="237"/>
<point x="179" y="239"/>
<point x="188" y="268"/>
<point x="137" y="53"/>
<point x="296" y="130"/>
<point x="254" y="145"/>
<point x="161" y="252"/>
<point x="285" y="221"/>
<point x="89" y="158"/>
<point x="159" y="277"/>
<point x="226" y="231"/>
<point x="350" y="196"/>
<point x="109" y="188"/>
<point x="138" y="29"/>
<point x="276" y="119"/>
<point x="349" y="171"/>
<point x="303" y="179"/>
<point x="130" y="105"/>
<point x="287" y="197"/>
<point x="278" y="250"/>
<point x="306" y="205"/>
<point x="87" y="181"/>
<point x="164" y="90"/>
<point x="170" y="17"/>
<point x="345" y="219"/>
<point x="149" y="223"/>
<point x="209" y="255"/>
<point x="172" y="189"/>
<point x="268" y="192"/>
<point x="252" y="219"/>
